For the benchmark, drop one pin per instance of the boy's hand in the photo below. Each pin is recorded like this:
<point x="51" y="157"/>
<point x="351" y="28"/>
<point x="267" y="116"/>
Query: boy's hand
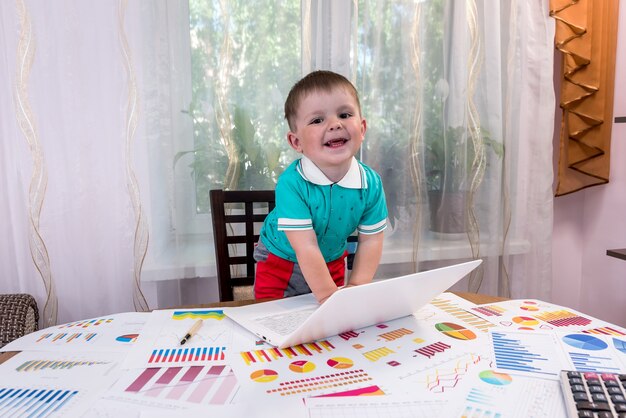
<point x="312" y="264"/>
<point x="366" y="258"/>
<point x="342" y="287"/>
<point x="324" y="299"/>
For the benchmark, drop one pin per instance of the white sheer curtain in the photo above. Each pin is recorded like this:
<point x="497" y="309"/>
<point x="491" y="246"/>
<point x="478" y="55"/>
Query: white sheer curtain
<point x="100" y="166"/>
<point x="463" y="109"/>
<point x="67" y="207"/>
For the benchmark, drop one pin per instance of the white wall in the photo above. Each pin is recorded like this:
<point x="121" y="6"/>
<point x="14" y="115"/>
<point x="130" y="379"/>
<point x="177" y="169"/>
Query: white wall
<point x="589" y="222"/>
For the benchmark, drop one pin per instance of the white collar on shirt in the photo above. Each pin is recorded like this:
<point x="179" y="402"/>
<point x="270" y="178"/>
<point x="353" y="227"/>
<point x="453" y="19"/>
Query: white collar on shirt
<point x="354" y="178"/>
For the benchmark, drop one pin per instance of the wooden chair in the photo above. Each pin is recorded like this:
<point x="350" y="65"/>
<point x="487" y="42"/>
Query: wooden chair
<point x="352" y="244"/>
<point x="234" y="214"/>
<point x="234" y="244"/>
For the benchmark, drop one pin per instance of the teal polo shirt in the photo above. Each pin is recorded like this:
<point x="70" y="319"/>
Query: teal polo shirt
<point x="307" y="199"/>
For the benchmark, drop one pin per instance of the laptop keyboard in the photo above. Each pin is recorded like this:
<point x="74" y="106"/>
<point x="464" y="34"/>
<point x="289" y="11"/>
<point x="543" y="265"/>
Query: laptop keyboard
<point x="285" y="323"/>
<point x="589" y="394"/>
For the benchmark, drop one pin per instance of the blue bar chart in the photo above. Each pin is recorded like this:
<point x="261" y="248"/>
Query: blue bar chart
<point x="30" y="402"/>
<point x="590" y="354"/>
<point x="584" y="362"/>
<point x="186" y="355"/>
<point x="525" y="352"/>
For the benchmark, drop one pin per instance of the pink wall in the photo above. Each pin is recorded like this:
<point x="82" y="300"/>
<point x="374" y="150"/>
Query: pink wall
<point x="589" y="222"/>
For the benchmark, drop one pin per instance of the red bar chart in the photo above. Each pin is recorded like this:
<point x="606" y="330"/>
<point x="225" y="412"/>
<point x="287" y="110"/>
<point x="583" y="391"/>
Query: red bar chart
<point x="215" y="385"/>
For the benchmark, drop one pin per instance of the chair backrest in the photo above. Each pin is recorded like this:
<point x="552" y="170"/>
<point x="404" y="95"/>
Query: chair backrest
<point x="234" y="214"/>
<point x="19" y="315"/>
<point x="353" y="241"/>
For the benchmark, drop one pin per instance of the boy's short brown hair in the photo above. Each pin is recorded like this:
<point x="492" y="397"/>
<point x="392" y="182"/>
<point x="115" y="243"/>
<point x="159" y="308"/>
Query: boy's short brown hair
<point x="320" y="80"/>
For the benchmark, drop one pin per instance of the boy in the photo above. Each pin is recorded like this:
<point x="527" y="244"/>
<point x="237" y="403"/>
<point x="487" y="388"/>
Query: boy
<point x="322" y="197"/>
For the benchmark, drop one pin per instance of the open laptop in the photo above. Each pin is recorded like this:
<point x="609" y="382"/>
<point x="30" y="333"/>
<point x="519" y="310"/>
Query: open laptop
<point x="300" y="319"/>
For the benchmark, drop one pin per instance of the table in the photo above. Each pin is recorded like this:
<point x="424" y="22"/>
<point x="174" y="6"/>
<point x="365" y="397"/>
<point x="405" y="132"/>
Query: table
<point x="618" y="253"/>
<point x="476" y="298"/>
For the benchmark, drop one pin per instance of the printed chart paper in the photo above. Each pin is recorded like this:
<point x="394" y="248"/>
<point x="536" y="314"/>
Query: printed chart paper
<point x="42" y="384"/>
<point x="530" y="354"/>
<point x="536" y="315"/>
<point x="176" y="387"/>
<point x="594" y="353"/>
<point x="488" y="393"/>
<point x="160" y="343"/>
<point x="444" y="378"/>
<point x="451" y="358"/>
<point x="116" y="332"/>
<point x="459" y="309"/>
<point x="371" y="362"/>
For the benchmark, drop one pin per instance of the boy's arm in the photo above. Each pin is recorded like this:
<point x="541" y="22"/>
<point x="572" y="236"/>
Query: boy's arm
<point x="312" y="263"/>
<point x="366" y="258"/>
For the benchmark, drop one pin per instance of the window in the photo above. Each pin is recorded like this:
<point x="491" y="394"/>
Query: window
<point x="244" y="58"/>
<point x="434" y="111"/>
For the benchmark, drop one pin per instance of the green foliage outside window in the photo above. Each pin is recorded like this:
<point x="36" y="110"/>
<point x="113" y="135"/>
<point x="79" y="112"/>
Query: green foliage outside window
<point x="245" y="56"/>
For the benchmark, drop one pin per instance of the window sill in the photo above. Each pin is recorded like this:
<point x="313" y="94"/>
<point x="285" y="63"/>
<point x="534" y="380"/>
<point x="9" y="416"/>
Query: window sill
<point x="194" y="257"/>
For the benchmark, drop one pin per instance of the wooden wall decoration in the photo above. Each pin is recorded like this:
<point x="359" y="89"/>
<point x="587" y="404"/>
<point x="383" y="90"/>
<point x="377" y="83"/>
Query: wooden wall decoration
<point x="586" y="34"/>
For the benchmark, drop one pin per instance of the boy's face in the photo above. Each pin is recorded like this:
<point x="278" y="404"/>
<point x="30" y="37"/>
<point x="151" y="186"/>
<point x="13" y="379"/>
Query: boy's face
<point x="328" y="129"/>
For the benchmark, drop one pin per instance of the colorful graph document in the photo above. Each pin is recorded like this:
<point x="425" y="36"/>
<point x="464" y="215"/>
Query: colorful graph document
<point x="532" y="314"/>
<point x="530" y="354"/>
<point x="542" y="354"/>
<point x="594" y="353"/>
<point x="440" y="380"/>
<point x="111" y="333"/>
<point x="37" y="366"/>
<point x="452" y="358"/>
<point x="41" y="384"/>
<point x="488" y="393"/>
<point x="176" y="387"/>
<point x="376" y="360"/>
<point x="160" y="342"/>
<point x="459" y="309"/>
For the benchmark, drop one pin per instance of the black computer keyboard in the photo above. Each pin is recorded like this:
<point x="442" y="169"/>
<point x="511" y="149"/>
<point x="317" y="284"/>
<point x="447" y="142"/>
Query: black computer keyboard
<point x="594" y="394"/>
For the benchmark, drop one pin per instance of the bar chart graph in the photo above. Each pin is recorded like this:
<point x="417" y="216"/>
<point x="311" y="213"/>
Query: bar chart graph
<point x="584" y="362"/>
<point x="88" y="323"/>
<point x="271" y="354"/>
<point x="461" y="314"/>
<point x="34" y="402"/>
<point x="214" y="385"/>
<point x="563" y="318"/>
<point x="63" y="338"/>
<point x="186" y="355"/>
<point x="525" y="352"/>
<point x="36" y="365"/>
<point x="589" y="353"/>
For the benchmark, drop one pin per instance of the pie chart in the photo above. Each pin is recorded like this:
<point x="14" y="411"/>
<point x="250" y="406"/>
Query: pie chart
<point x="495" y="378"/>
<point x="529" y="308"/>
<point x="585" y="342"/>
<point x="340" y="363"/>
<point x="263" y="376"/>
<point x="525" y="321"/>
<point x="302" y="366"/>
<point x="455" y="331"/>
<point x="127" y="338"/>
<point x="620" y="345"/>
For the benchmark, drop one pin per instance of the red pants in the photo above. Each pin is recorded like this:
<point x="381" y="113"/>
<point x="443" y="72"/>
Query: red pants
<point x="279" y="278"/>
